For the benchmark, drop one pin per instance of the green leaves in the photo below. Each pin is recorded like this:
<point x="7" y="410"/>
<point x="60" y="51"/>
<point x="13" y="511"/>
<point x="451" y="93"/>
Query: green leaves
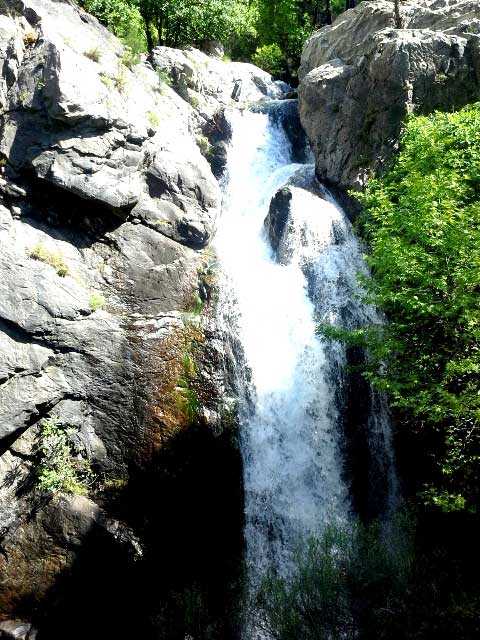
<point x="422" y="223"/>
<point x="59" y="469"/>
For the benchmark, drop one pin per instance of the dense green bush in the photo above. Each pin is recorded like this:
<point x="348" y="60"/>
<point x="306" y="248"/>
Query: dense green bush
<point x="421" y="221"/>
<point x="121" y="17"/>
<point x="270" y="58"/>
<point x="59" y="469"/>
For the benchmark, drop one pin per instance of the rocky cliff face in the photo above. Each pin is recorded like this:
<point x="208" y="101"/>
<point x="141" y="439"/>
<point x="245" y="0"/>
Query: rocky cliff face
<point x="361" y="77"/>
<point x="106" y="324"/>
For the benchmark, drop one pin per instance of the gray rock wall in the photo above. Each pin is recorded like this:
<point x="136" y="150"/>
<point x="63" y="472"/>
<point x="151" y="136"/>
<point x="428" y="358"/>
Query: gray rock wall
<point x="107" y="207"/>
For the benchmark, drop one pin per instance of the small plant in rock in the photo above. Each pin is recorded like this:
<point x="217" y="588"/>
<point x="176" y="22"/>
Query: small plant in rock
<point x="204" y="146"/>
<point x="59" y="469"/>
<point x="30" y="38"/>
<point x="120" y="80"/>
<point x="55" y="260"/>
<point x="164" y="77"/>
<point x="96" y="302"/>
<point x="130" y="58"/>
<point x="153" y="119"/>
<point x="194" y="101"/>
<point x="107" y="80"/>
<point x="93" y="54"/>
<point x="197" y="305"/>
<point x="187" y="399"/>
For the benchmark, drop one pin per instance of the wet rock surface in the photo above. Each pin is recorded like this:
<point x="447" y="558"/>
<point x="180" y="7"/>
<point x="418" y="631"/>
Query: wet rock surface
<point x="107" y="209"/>
<point x="361" y="77"/>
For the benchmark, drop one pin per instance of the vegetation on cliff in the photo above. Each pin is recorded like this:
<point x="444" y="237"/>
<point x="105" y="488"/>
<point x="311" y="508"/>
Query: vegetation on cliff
<point x="370" y="583"/>
<point x="422" y="224"/>
<point x="269" y="32"/>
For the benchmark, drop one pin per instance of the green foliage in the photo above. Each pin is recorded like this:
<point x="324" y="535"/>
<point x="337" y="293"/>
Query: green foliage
<point x="272" y="30"/>
<point x="55" y="260"/>
<point x="120" y="80"/>
<point x="153" y="119"/>
<point x="422" y="223"/>
<point x="342" y="585"/>
<point x="176" y="23"/>
<point x="97" y="301"/>
<point x="107" y="80"/>
<point x="187" y="398"/>
<point x="164" y="77"/>
<point x="122" y="18"/>
<point x="270" y="58"/>
<point x="287" y="24"/>
<point x="204" y="146"/>
<point x="130" y="58"/>
<point x="370" y="582"/>
<point x="59" y="470"/>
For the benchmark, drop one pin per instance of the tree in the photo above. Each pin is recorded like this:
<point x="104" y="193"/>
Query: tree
<point x="398" y="15"/>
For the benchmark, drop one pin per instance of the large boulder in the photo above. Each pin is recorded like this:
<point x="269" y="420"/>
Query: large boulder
<point x="361" y="77"/>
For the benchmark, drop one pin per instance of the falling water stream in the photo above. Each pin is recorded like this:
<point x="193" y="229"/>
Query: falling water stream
<point x="291" y="440"/>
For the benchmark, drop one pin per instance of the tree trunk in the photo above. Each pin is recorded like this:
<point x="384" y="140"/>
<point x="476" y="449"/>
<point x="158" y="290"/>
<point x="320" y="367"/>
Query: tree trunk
<point x="148" y="34"/>
<point x="328" y="12"/>
<point x="398" y="15"/>
<point x="161" y="40"/>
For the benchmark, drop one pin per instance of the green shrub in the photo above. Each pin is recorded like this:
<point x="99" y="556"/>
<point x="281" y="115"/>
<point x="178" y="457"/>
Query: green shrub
<point x="122" y="18"/>
<point x="269" y="57"/>
<point x="97" y="301"/>
<point x="204" y="146"/>
<point x="193" y="100"/>
<point x="164" y="77"/>
<point x="130" y="58"/>
<point x="422" y="224"/>
<point x="153" y="119"/>
<point x="59" y="470"/>
<point x="55" y="260"/>
<point x="187" y="398"/>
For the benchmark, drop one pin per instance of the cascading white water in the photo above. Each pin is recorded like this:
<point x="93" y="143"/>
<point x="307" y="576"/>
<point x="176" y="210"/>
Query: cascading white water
<point x="290" y="440"/>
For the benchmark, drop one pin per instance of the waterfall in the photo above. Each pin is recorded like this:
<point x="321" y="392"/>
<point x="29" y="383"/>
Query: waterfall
<point x="291" y="436"/>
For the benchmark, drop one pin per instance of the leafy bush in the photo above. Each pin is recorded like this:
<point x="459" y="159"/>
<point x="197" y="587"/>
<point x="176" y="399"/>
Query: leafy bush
<point x="164" y="77"/>
<point x="55" y="260"/>
<point x="59" y="470"/>
<point x="422" y="224"/>
<point x="122" y="18"/>
<point x="97" y="301"/>
<point x="130" y="58"/>
<point x="204" y="145"/>
<point x="269" y="57"/>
